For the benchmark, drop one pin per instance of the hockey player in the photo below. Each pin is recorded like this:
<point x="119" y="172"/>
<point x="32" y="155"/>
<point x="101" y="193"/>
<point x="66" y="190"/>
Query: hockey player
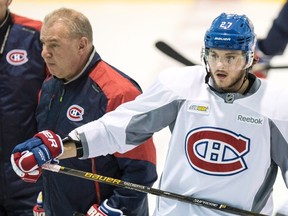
<point x="22" y="72"/>
<point x="274" y="43"/>
<point x="229" y="129"/>
<point x="82" y="89"/>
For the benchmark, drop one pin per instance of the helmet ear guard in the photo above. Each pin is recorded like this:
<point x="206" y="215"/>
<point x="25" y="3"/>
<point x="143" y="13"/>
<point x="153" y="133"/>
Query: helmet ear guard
<point x="249" y="59"/>
<point x="205" y="63"/>
<point x="203" y="56"/>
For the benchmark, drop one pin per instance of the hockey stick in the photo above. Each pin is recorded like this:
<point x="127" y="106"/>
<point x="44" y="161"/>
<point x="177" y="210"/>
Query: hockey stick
<point x="146" y="189"/>
<point x="171" y="52"/>
<point x="258" y="67"/>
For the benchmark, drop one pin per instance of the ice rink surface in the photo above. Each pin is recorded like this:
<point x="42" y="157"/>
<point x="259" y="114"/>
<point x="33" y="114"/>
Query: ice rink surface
<point x="125" y="33"/>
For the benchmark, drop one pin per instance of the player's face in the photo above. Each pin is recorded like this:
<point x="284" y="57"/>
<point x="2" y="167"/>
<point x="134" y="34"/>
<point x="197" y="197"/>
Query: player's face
<point x="3" y="8"/>
<point x="61" y="52"/>
<point x="227" y="68"/>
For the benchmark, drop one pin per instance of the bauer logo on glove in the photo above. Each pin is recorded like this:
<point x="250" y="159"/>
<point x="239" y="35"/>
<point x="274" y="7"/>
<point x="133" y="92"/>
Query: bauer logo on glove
<point x="49" y="136"/>
<point x="27" y="157"/>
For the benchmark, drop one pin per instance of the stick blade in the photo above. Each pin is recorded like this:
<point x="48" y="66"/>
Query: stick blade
<point x="171" y="52"/>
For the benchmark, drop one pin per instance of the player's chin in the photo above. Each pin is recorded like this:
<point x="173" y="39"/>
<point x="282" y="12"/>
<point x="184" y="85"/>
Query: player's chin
<point x="220" y="79"/>
<point x="222" y="83"/>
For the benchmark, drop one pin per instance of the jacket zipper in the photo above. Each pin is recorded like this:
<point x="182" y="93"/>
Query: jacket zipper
<point x="61" y="96"/>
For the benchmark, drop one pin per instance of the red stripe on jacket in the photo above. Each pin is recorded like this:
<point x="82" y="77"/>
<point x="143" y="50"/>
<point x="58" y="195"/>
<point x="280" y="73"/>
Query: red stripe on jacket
<point x="105" y="77"/>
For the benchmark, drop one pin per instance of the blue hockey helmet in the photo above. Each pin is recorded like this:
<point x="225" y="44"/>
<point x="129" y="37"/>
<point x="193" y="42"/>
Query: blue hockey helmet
<point x="231" y="32"/>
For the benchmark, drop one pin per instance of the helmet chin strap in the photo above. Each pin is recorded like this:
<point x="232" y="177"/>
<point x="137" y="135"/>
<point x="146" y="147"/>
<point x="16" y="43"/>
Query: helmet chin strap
<point x="244" y="80"/>
<point x="207" y="70"/>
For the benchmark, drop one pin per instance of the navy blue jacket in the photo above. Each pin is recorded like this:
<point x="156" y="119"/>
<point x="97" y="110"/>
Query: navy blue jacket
<point x="22" y="71"/>
<point x="65" y="106"/>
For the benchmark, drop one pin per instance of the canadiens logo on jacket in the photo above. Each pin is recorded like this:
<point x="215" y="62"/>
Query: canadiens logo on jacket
<point x="75" y="113"/>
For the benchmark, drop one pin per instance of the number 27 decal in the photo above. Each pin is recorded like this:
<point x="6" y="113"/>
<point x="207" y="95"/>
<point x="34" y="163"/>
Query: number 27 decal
<point x="225" y="25"/>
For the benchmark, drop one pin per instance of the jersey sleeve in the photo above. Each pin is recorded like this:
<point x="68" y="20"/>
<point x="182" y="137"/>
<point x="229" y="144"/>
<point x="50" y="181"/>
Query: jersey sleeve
<point x="131" y="124"/>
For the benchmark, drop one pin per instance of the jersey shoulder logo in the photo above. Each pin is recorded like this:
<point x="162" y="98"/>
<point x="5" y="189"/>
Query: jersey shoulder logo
<point x="200" y="108"/>
<point x="75" y="113"/>
<point x="216" y="151"/>
<point x="17" y="57"/>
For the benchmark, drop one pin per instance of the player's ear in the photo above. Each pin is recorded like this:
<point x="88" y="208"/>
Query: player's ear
<point x="83" y="43"/>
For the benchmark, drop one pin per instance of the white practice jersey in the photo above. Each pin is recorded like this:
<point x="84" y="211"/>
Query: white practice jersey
<point x="224" y="147"/>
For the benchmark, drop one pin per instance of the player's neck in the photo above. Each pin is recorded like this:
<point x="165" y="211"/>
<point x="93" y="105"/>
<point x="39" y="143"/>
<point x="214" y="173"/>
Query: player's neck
<point x="243" y="86"/>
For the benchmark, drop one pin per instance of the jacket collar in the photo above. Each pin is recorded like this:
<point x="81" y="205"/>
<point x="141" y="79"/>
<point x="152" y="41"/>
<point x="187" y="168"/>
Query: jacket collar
<point x="92" y="61"/>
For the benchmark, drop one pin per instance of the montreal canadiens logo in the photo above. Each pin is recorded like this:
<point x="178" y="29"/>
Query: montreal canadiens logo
<point x="216" y="151"/>
<point x="75" y="113"/>
<point x="17" y="57"/>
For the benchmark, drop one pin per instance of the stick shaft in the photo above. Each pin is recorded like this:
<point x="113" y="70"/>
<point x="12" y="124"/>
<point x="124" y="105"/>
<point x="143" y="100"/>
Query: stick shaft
<point x="277" y="67"/>
<point x="171" y="52"/>
<point x="146" y="189"/>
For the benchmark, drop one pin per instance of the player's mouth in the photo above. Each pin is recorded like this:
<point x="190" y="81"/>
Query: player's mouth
<point x="221" y="75"/>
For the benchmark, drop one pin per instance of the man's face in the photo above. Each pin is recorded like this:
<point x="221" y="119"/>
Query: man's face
<point x="227" y="68"/>
<point x="3" y="8"/>
<point x="60" y="51"/>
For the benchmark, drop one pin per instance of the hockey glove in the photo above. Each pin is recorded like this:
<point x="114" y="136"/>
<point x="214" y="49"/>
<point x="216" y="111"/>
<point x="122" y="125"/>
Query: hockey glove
<point x="263" y="61"/>
<point x="31" y="176"/>
<point x="103" y="210"/>
<point x="45" y="146"/>
<point x="38" y="208"/>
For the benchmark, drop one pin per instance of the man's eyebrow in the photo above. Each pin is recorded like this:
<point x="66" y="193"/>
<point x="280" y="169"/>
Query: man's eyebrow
<point x="49" y="40"/>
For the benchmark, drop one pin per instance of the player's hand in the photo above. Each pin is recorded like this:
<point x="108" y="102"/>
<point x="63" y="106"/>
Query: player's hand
<point x="30" y="176"/>
<point x="29" y="156"/>
<point x="260" y="70"/>
<point x="103" y="210"/>
<point x="263" y="61"/>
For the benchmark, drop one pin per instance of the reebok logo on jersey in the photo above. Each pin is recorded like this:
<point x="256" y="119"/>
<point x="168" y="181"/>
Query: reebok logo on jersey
<point x="198" y="108"/>
<point x="17" y="57"/>
<point x="250" y="119"/>
<point x="75" y="113"/>
<point x="216" y="151"/>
